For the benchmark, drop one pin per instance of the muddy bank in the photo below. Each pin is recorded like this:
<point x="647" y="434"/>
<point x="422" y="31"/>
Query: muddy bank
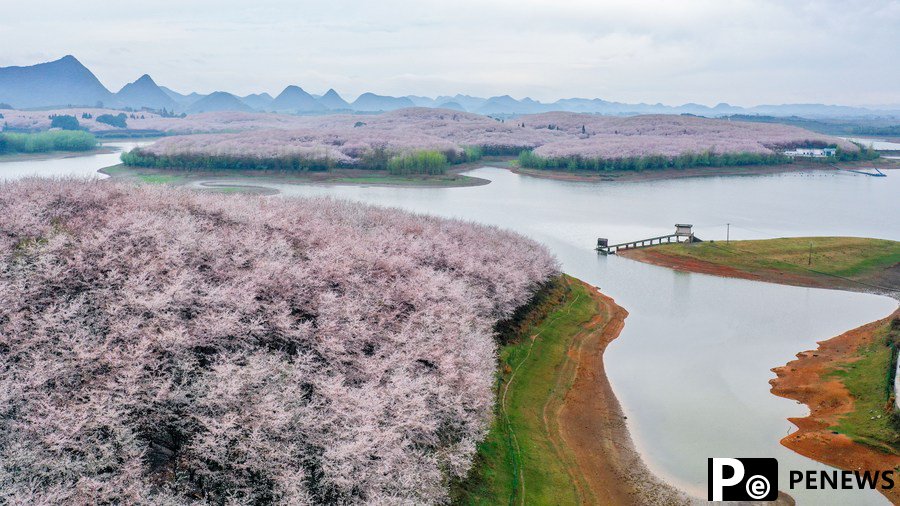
<point x="807" y="379"/>
<point x="593" y="427"/>
<point x="810" y="379"/>
<point x="886" y="278"/>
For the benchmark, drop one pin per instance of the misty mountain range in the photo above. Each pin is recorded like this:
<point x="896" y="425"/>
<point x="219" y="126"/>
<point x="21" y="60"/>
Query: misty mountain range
<point x="66" y="82"/>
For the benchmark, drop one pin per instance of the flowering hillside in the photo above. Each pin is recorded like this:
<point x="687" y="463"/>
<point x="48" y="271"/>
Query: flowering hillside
<point x="315" y="142"/>
<point x="593" y="136"/>
<point x="160" y="346"/>
<point x="348" y="140"/>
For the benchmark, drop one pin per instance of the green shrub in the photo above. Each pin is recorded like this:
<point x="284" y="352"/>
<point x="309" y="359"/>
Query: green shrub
<point x="529" y="160"/>
<point x="139" y="158"/>
<point x="473" y="153"/>
<point x="418" y="162"/>
<point x="864" y="153"/>
<point x="43" y="142"/>
<point x="64" y="122"/>
<point x="118" y="121"/>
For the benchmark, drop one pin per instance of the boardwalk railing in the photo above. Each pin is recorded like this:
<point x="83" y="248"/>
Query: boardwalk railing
<point x="877" y="173"/>
<point x="643" y="243"/>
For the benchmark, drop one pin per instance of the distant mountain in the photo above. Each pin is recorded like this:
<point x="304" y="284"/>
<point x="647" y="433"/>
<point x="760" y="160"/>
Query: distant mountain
<point x="452" y="105"/>
<point x="333" y="101"/>
<point x="259" y="101"/>
<point x="806" y="110"/>
<point x="182" y="100"/>
<point x="174" y="95"/>
<point x="469" y="103"/>
<point x="67" y="82"/>
<point x="507" y="105"/>
<point x="145" y="93"/>
<point x="218" y="101"/>
<point x="294" y="99"/>
<point x="370" y="102"/>
<point x="580" y="104"/>
<point x="58" y="83"/>
<point x="422" y="101"/>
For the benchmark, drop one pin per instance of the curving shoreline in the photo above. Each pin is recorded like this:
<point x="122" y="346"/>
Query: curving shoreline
<point x="588" y="427"/>
<point x="810" y="378"/>
<point x="807" y="380"/>
<point x="559" y="435"/>
<point x="592" y="424"/>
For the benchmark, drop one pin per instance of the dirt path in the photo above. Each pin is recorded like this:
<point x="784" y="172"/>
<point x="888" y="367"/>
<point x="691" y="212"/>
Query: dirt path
<point x="589" y="423"/>
<point x="805" y="380"/>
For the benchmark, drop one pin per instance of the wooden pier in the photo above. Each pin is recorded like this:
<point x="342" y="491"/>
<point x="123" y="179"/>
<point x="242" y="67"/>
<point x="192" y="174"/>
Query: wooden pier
<point x="877" y="173"/>
<point x="682" y="233"/>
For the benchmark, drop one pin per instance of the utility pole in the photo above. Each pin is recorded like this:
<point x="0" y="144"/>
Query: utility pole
<point x="727" y="232"/>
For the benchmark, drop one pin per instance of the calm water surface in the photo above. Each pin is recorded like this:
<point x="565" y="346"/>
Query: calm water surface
<point x="72" y="166"/>
<point x="692" y="365"/>
<point x="877" y="144"/>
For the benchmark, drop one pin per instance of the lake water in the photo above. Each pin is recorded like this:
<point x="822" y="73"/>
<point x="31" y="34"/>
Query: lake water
<point x="84" y="166"/>
<point x="692" y="365"/>
<point x="877" y="144"/>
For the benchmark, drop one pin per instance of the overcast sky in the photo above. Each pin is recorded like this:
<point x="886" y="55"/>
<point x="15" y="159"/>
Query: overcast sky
<point x="738" y="51"/>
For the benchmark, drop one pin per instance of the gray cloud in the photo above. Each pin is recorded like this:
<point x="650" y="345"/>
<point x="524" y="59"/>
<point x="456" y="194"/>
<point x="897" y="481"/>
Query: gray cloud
<point x="743" y="52"/>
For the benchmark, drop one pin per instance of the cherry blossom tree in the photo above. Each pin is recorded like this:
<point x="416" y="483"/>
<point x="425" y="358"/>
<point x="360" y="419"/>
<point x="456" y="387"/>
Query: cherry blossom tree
<point x="160" y="346"/>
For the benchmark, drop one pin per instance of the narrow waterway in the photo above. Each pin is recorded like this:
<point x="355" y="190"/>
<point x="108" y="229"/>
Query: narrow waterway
<point x="692" y="366"/>
<point x="74" y="165"/>
<point x="877" y="144"/>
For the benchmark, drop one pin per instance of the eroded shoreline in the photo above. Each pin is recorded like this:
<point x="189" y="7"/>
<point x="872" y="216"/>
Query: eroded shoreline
<point x="807" y="380"/>
<point x="810" y="378"/>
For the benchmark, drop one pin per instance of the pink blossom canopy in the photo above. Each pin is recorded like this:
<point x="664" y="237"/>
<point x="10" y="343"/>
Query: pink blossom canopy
<point x="160" y="346"/>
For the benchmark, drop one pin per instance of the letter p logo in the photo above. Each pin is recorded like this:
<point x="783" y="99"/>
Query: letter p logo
<point x="718" y="481"/>
<point x="746" y="479"/>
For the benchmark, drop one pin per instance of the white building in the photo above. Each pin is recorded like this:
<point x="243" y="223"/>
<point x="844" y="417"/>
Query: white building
<point x="811" y="152"/>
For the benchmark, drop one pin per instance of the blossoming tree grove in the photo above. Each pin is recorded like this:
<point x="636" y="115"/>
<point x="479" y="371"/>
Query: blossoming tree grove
<point x="160" y="346"/>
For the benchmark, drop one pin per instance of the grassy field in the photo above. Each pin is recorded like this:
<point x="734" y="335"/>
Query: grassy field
<point x="872" y="421"/>
<point x="158" y="179"/>
<point x="854" y="258"/>
<point x="518" y="462"/>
